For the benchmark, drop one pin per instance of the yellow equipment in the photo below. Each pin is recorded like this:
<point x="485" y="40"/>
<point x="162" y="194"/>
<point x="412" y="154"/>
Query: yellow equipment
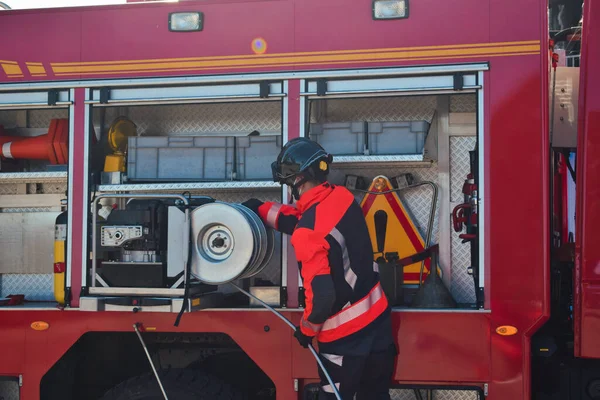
<point x="119" y="131"/>
<point x="60" y="250"/>
<point x="401" y="234"/>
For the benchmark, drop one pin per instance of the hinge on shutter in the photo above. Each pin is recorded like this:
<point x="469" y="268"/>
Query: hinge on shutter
<point x="480" y="297"/>
<point x="321" y="87"/>
<point x="265" y="90"/>
<point x="301" y="298"/>
<point x="283" y="297"/>
<point x="52" y="97"/>
<point x="104" y="95"/>
<point x="459" y="81"/>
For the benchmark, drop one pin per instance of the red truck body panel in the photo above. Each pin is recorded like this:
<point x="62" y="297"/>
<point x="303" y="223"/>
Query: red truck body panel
<point x="587" y="265"/>
<point x="132" y="41"/>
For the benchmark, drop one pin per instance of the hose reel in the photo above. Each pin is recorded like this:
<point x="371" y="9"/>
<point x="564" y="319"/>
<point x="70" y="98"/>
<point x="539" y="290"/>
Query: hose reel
<point x="229" y="242"/>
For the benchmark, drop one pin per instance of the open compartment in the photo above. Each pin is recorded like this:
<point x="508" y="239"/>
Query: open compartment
<point x="34" y="138"/>
<point x="153" y="162"/>
<point x="410" y="159"/>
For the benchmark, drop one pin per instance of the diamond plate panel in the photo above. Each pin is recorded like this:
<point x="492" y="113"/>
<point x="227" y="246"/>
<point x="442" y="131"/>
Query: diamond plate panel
<point x="9" y="388"/>
<point x="28" y="210"/>
<point x="456" y="395"/>
<point x="41" y="118"/>
<point x="35" y="287"/>
<point x="462" y="288"/>
<point x="8" y="118"/>
<point x="463" y="103"/>
<point x="207" y="118"/>
<point x="405" y="394"/>
<point x="407" y="108"/>
<point x="54" y="188"/>
<point x="110" y="114"/>
<point x="417" y="201"/>
<point x="409" y="394"/>
<point x="462" y="283"/>
<point x="8" y="189"/>
<point x="181" y="187"/>
<point x="33" y="177"/>
<point x="459" y="164"/>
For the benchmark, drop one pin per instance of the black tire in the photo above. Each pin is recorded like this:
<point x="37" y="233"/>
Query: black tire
<point x="179" y="384"/>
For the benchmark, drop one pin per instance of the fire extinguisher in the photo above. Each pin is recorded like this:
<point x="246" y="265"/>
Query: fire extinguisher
<point x="60" y="251"/>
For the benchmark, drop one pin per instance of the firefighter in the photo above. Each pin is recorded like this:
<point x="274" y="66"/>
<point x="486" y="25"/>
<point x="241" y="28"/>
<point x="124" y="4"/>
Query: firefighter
<point x="346" y="310"/>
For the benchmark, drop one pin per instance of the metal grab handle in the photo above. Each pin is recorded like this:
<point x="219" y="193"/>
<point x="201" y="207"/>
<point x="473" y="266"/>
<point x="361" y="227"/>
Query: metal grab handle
<point x="136" y="196"/>
<point x="139" y="335"/>
<point x="293" y="327"/>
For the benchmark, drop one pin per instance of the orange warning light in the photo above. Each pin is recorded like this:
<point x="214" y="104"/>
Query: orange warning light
<point x="379" y="183"/>
<point x="40" y="325"/>
<point x="506" y="330"/>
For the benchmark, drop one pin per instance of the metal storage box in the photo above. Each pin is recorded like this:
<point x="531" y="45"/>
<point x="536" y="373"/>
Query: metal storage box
<point x="255" y="155"/>
<point x="375" y="138"/>
<point x="397" y="137"/>
<point x="340" y="138"/>
<point x="196" y="158"/>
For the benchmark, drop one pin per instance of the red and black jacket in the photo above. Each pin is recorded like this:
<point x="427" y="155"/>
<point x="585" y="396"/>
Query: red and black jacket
<point x="333" y="248"/>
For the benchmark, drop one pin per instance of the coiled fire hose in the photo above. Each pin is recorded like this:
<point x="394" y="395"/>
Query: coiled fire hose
<point x="293" y="327"/>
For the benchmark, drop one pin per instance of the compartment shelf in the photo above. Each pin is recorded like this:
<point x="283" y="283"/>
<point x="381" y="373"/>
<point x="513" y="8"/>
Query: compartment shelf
<point x="183" y="186"/>
<point x="32" y="177"/>
<point x="405" y="159"/>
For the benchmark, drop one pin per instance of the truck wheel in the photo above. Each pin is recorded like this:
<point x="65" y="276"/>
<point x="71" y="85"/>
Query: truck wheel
<point x="179" y="384"/>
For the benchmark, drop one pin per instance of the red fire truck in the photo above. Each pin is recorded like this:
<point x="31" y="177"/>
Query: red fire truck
<point x="466" y="133"/>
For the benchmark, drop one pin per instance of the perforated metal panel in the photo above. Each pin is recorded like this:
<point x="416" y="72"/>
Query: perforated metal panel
<point x="409" y="108"/>
<point x="202" y="118"/>
<point x="41" y="118"/>
<point x="9" y="388"/>
<point x="35" y="287"/>
<point x="463" y="103"/>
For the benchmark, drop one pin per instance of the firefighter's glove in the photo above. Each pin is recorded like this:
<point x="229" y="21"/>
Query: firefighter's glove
<point x="253" y="204"/>
<point x="302" y="338"/>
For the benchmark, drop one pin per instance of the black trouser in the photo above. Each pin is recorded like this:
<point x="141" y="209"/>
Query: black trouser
<point x="368" y="377"/>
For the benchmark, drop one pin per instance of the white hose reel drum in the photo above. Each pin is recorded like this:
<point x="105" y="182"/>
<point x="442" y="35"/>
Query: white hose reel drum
<point x="229" y="242"/>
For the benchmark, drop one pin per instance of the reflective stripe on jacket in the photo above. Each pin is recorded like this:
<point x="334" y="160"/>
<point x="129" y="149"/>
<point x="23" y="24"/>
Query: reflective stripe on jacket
<point x="333" y="248"/>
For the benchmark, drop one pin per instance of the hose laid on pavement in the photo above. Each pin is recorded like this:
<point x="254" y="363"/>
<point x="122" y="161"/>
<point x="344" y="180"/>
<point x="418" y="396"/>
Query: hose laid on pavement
<point x="293" y="327"/>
